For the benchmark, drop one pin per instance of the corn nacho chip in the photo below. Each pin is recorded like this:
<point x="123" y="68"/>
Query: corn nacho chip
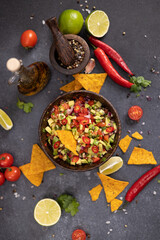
<point x="66" y="137"/>
<point x="112" y="187"/>
<point x="91" y="82"/>
<point x="115" y="204"/>
<point x="95" y="192"/>
<point x="72" y="86"/>
<point x="137" y="135"/>
<point x="141" y="156"/>
<point x="39" y="161"/>
<point x="35" y="179"/>
<point x="124" y="143"/>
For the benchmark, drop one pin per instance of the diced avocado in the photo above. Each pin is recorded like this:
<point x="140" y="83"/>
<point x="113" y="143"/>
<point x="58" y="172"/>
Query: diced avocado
<point x="72" y="163"/>
<point x="72" y="117"/>
<point x="91" y="140"/>
<point x="96" y="128"/>
<point x="79" y="162"/>
<point x="50" y="121"/>
<point x="48" y="129"/>
<point x="98" y="117"/>
<point x="84" y="161"/>
<point x="100" y="147"/>
<point x="101" y="112"/>
<point x="80" y="140"/>
<point x="115" y="126"/>
<point x="98" y="120"/>
<point x="93" y="111"/>
<point x="74" y="131"/>
<point x="111" y="139"/>
<point x="71" y="103"/>
<point x="103" y="143"/>
<point x="78" y="148"/>
<point x="68" y="119"/>
<point x="86" y="130"/>
<point x="107" y="120"/>
<point x="61" y="108"/>
<point x="95" y="142"/>
<point x="55" y="156"/>
<point x="87" y="105"/>
<point x="98" y="114"/>
<point x="68" y="127"/>
<point x="64" y="157"/>
<point x="81" y="127"/>
<point x="91" y="126"/>
<point x="108" y="146"/>
<point x="98" y="104"/>
<point x="76" y="136"/>
<point x="55" y="152"/>
<point x="61" y="116"/>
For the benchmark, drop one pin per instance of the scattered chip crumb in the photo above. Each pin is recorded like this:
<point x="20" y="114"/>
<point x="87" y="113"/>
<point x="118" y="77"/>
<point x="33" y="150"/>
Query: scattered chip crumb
<point x="125" y="226"/>
<point x="53" y="235"/>
<point x="154" y="192"/>
<point x="1" y="209"/>
<point x="108" y="222"/>
<point x="124" y="33"/>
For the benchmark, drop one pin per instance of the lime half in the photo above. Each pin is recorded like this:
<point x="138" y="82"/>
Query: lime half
<point x="97" y="23"/>
<point x="5" y="120"/>
<point x="47" y="212"/>
<point x="111" y="166"/>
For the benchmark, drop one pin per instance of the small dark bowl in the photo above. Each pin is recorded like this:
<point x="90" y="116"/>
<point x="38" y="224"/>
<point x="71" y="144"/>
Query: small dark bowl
<point x="80" y="68"/>
<point x="46" y="116"/>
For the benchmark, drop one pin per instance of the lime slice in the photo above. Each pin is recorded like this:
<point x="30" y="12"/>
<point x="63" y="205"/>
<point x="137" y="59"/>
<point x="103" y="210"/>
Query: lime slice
<point x="47" y="212"/>
<point x="111" y="166"/>
<point x="5" y="120"/>
<point x="97" y="23"/>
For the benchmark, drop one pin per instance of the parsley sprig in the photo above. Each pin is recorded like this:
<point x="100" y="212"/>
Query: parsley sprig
<point x="139" y="82"/>
<point x="27" y="107"/>
<point x="68" y="203"/>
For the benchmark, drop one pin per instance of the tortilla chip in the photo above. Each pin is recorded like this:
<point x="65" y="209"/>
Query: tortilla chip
<point x="115" y="204"/>
<point x="137" y="136"/>
<point x="124" y="143"/>
<point x="74" y="85"/>
<point x="112" y="187"/>
<point x="141" y="156"/>
<point x="91" y="82"/>
<point x="35" y="179"/>
<point x="95" y="192"/>
<point x="39" y="161"/>
<point x="66" y="138"/>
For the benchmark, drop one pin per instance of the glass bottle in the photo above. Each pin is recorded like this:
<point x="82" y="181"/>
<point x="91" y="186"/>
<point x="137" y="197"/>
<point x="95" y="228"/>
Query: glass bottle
<point x="32" y="79"/>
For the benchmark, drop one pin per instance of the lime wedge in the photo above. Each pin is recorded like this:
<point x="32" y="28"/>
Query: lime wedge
<point x="97" y="23"/>
<point x="5" y="120"/>
<point x="47" y="212"/>
<point x="111" y="166"/>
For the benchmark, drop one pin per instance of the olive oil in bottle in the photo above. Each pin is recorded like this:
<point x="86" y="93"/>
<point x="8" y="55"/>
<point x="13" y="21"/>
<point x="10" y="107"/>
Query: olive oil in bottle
<point x="32" y="79"/>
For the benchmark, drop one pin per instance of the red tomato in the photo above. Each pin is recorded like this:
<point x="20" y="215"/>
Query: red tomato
<point x="12" y="174"/>
<point x="95" y="159"/>
<point x="64" y="121"/>
<point x="6" y="160"/>
<point x="84" y="111"/>
<point x="135" y="113"/>
<point x="65" y="105"/>
<point x="2" y="178"/>
<point x="84" y="121"/>
<point x="101" y="124"/>
<point x="81" y="99"/>
<point x="56" y="144"/>
<point x="95" y="149"/>
<point x="75" y="159"/>
<point x="77" y="108"/>
<point x="78" y="234"/>
<point x="99" y="132"/>
<point x="86" y="140"/>
<point x="56" y="110"/>
<point x="110" y="129"/>
<point x="106" y="137"/>
<point x="28" y="39"/>
<point x="91" y="102"/>
<point x="81" y="130"/>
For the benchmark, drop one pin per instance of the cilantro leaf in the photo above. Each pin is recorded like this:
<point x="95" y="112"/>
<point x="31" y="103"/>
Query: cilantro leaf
<point x="138" y="83"/>
<point x="20" y="104"/>
<point x="27" y="107"/>
<point x="68" y="203"/>
<point x="72" y="207"/>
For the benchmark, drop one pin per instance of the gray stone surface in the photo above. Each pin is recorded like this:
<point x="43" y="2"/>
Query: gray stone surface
<point x="140" y="48"/>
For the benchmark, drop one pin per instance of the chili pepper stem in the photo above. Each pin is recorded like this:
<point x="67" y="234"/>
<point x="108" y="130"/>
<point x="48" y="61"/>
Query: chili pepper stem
<point x="94" y="47"/>
<point x="124" y="204"/>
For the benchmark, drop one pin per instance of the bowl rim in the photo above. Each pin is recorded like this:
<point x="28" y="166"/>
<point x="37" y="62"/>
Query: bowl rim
<point x="93" y="166"/>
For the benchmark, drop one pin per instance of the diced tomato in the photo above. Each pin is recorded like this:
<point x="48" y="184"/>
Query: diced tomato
<point x="64" y="121"/>
<point x="74" y="123"/>
<point x="91" y="102"/>
<point x="77" y="108"/>
<point x="99" y="132"/>
<point x="56" y="145"/>
<point x="79" y="118"/>
<point x="84" y="111"/>
<point x="56" y="110"/>
<point x="85" y="121"/>
<point x="88" y="145"/>
<point x="135" y="113"/>
<point x="95" y="149"/>
<point x="101" y="124"/>
<point x="110" y="129"/>
<point x="85" y="150"/>
<point x="45" y="144"/>
<point x="65" y="105"/>
<point x="92" y="117"/>
<point x="95" y="159"/>
<point x="86" y="140"/>
<point x="94" y="133"/>
<point x="100" y="137"/>
<point x="106" y="137"/>
<point x="75" y="158"/>
<point x="60" y="156"/>
<point x="81" y="151"/>
<point x="81" y="99"/>
<point x="81" y="130"/>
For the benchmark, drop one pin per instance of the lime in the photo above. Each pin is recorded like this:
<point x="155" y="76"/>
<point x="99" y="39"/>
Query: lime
<point x="70" y="22"/>
<point x="5" y="120"/>
<point x="97" y="23"/>
<point x="111" y="166"/>
<point x="47" y="212"/>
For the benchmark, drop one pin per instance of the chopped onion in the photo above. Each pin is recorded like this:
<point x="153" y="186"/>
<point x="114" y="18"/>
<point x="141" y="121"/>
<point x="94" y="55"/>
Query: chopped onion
<point x="69" y="111"/>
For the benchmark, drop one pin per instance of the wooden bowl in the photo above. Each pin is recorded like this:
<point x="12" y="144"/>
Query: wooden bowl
<point x="80" y="68"/>
<point x="69" y="96"/>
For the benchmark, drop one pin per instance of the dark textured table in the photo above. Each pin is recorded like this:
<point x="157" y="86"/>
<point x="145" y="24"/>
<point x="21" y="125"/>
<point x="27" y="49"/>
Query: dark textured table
<point x="140" y="20"/>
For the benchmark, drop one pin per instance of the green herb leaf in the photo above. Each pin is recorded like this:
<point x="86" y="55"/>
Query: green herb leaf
<point x="27" y="107"/>
<point x="68" y="203"/>
<point x="61" y="174"/>
<point x="158" y="181"/>
<point x="20" y="104"/>
<point x="72" y="207"/>
<point x="139" y="82"/>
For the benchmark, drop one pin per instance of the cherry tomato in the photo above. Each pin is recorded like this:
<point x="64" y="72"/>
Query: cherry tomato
<point x="95" y="149"/>
<point x="75" y="159"/>
<point x="110" y="129"/>
<point x="2" y="178"/>
<point x="12" y="174"/>
<point x="28" y="39"/>
<point x="77" y="108"/>
<point x="86" y="140"/>
<point x="84" y="121"/>
<point x="135" y="113"/>
<point x="78" y="234"/>
<point x="65" y="106"/>
<point x="106" y="137"/>
<point x="91" y="102"/>
<point x="95" y="159"/>
<point x="64" y="121"/>
<point x="56" y="144"/>
<point x="101" y="124"/>
<point x="6" y="160"/>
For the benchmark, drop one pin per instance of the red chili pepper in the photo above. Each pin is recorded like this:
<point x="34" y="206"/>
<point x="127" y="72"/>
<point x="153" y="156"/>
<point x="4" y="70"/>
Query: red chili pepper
<point x="111" y="53"/>
<point x="109" y="69"/>
<point x="141" y="183"/>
